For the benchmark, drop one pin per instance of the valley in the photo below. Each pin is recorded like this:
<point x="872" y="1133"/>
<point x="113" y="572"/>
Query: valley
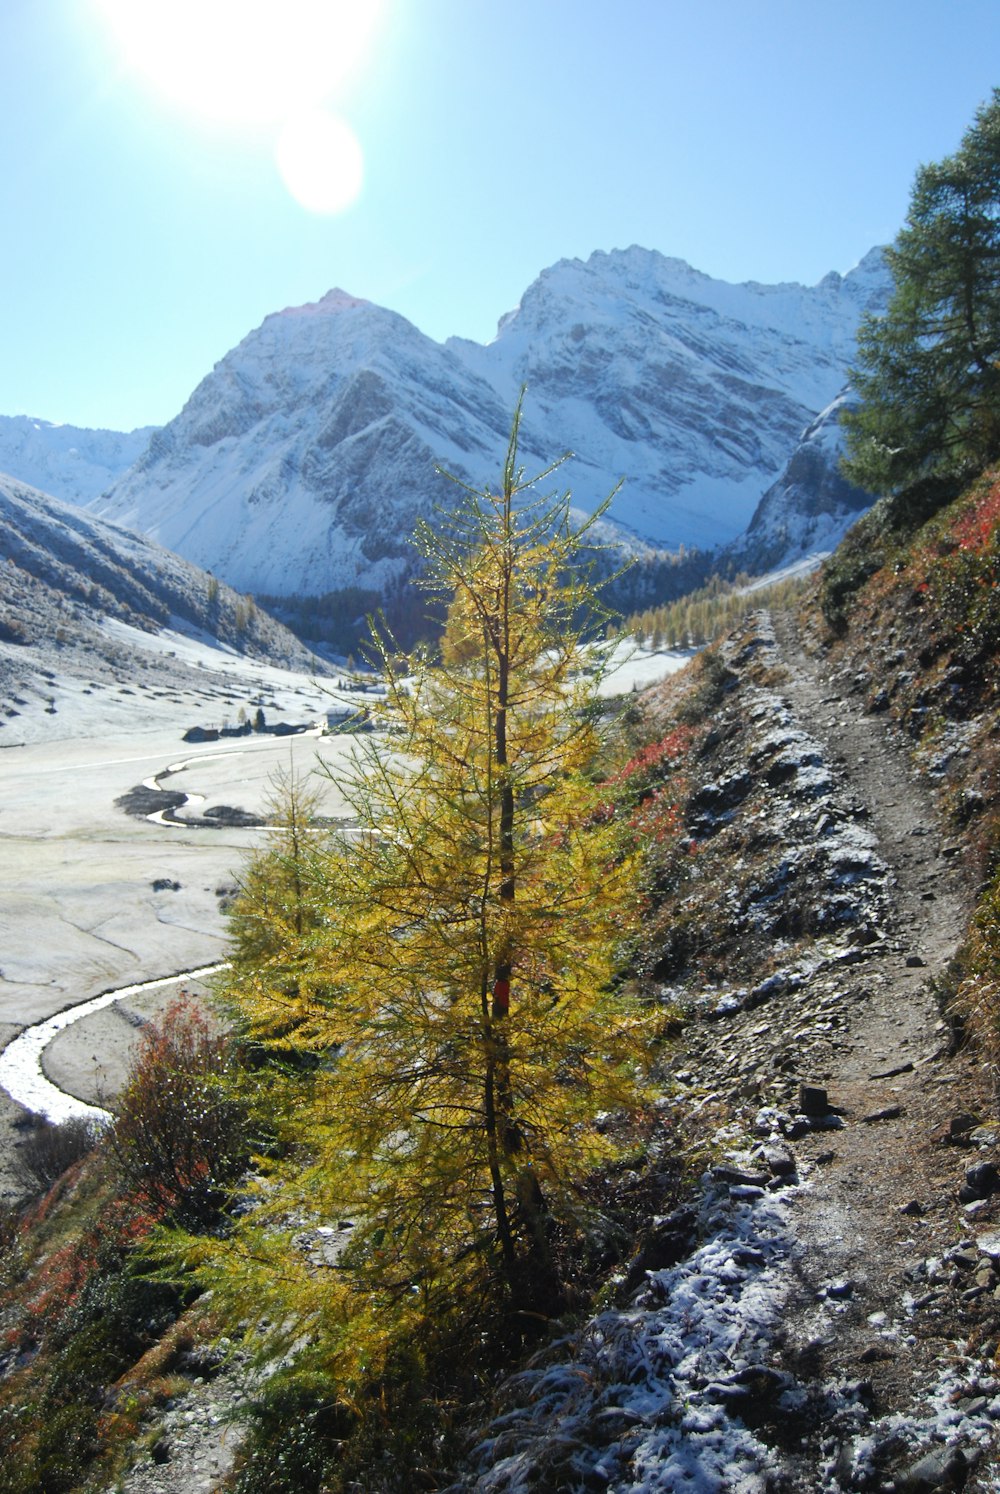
<point x="95" y="897"/>
<point x="828" y="1256"/>
<point x="822" y="1310"/>
<point x="619" y="1112"/>
<point x="500" y="750"/>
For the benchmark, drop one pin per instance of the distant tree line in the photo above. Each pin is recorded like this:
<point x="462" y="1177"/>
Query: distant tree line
<point x="704" y="615"/>
<point x="340" y="619"/>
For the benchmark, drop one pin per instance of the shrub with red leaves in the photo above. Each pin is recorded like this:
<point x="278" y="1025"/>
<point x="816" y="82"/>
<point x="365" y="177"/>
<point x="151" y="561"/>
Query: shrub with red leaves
<point x="179" y="1135"/>
<point x="656" y="759"/>
<point x="976" y="526"/>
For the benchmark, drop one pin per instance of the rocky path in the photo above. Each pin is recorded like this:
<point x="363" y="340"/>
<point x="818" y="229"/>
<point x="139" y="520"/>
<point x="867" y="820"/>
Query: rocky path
<point x="193" y="1448"/>
<point x="824" y="1316"/>
<point x="877" y="1304"/>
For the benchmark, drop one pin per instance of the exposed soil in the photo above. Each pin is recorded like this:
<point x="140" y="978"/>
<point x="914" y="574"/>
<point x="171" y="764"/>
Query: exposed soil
<point x="142" y="801"/>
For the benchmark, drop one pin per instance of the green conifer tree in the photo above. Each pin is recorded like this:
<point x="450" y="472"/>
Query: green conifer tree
<point x="928" y="371"/>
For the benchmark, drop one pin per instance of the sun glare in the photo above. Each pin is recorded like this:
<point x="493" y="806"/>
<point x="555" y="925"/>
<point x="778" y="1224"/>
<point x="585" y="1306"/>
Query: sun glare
<point x="243" y="61"/>
<point x="259" y="63"/>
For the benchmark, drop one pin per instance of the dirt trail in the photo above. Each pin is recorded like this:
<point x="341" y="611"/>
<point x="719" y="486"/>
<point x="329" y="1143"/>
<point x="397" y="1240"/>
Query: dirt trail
<point x="930" y="900"/>
<point x="883" y="1194"/>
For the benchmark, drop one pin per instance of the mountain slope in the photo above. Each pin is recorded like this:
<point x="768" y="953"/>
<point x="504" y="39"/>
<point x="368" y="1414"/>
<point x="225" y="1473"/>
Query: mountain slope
<point x="811" y="506"/>
<point x="694" y="389"/>
<point x="302" y="462"/>
<point x="818" y="1309"/>
<point x="68" y="461"/>
<point x="821" y="1316"/>
<point x="63" y="572"/>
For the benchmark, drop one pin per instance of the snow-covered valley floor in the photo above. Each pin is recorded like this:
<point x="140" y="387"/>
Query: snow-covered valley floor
<point x="93" y="898"/>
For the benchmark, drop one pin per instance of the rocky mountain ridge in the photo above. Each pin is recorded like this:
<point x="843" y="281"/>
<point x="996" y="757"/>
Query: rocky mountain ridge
<point x="302" y="462"/>
<point x="811" y="506"/>
<point x="69" y="579"/>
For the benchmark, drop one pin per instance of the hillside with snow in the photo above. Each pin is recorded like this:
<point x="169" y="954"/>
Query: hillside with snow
<point x="66" y="575"/>
<point x="810" y="507"/>
<point x="68" y="461"/>
<point x="693" y="389"/>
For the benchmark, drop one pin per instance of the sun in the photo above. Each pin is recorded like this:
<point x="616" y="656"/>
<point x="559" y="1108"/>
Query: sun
<point x="243" y="61"/>
<point x="259" y="63"/>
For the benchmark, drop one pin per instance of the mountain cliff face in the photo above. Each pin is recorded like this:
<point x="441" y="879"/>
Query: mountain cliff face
<point x="69" y="461"/>
<point x="693" y="389"/>
<point x="303" y="460"/>
<point x="811" y="506"/>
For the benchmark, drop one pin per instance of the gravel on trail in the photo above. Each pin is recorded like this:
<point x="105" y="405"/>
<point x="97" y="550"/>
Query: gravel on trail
<point x="836" y="1325"/>
<point x="895" y="1289"/>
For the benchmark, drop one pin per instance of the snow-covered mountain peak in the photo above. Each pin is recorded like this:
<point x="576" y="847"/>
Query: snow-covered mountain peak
<point x="686" y="384"/>
<point x="70" y="461"/>
<point x="334" y="302"/>
<point x="303" y="460"/>
<point x="616" y="286"/>
<point x="337" y="324"/>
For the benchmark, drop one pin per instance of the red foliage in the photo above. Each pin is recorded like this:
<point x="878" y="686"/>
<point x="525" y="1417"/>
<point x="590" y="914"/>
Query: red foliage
<point x="648" y="808"/>
<point x="655" y="818"/>
<point x="62" y="1276"/>
<point x="975" y="529"/>
<point x="178" y="1136"/>
<point x="667" y="752"/>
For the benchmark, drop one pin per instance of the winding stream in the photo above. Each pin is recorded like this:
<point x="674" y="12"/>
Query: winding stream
<point x="21" y="1072"/>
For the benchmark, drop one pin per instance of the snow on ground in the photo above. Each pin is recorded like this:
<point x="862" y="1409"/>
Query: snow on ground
<point x="642" y="1398"/>
<point x="676" y="1391"/>
<point x="633" y="668"/>
<point x="186" y="681"/>
<point x="93" y="899"/>
<point x="795" y="571"/>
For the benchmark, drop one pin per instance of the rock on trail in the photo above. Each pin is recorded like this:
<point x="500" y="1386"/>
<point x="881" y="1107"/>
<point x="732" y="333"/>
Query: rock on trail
<point x="886" y="1200"/>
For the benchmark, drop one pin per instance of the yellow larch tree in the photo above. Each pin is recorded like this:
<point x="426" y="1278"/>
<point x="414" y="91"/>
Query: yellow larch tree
<point x="460" y="983"/>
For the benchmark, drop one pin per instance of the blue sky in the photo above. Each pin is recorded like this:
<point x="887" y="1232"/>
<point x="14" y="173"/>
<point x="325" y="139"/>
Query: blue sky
<point x="143" y="235"/>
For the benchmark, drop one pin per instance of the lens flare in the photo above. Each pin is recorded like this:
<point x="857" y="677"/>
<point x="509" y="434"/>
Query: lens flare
<point x="320" y="162"/>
